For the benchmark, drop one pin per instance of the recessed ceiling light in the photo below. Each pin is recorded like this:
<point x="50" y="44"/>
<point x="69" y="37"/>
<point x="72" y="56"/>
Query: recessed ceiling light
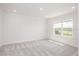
<point x="73" y="7"/>
<point x="41" y="9"/>
<point x="14" y="10"/>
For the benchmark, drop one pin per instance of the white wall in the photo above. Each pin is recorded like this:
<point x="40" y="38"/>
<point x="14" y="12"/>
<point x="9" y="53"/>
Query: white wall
<point x="70" y="41"/>
<point x="78" y="26"/>
<point x="0" y="27"/>
<point x="18" y="28"/>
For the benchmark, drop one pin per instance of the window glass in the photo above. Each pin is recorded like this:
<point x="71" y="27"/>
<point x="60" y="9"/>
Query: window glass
<point x="67" y="28"/>
<point x="57" y="29"/>
<point x="63" y="28"/>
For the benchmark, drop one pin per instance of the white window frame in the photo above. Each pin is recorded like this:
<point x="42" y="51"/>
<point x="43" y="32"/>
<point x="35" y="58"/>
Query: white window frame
<point x="62" y="28"/>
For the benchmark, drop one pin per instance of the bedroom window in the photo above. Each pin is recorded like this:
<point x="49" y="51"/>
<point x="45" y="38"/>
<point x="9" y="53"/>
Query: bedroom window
<point x="57" y="29"/>
<point x="67" y="28"/>
<point x="63" y="28"/>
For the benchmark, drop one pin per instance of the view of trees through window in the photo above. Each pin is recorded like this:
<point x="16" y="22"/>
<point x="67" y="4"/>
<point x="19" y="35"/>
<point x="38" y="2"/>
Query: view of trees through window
<point x="57" y="29"/>
<point x="63" y="28"/>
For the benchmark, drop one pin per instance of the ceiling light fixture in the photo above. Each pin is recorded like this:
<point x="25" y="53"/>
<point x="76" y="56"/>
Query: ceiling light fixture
<point x="41" y="9"/>
<point x="14" y="10"/>
<point x="73" y="7"/>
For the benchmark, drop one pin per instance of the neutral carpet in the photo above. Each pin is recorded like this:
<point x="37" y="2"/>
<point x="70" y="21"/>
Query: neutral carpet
<point x="38" y="48"/>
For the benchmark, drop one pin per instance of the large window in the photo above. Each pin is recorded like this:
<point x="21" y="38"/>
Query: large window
<point x="57" y="29"/>
<point x="63" y="28"/>
<point x="67" y="28"/>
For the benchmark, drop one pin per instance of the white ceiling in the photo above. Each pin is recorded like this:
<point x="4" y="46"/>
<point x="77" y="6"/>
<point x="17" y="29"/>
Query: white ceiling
<point x="33" y="9"/>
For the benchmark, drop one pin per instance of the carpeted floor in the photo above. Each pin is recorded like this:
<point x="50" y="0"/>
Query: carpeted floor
<point x="38" y="48"/>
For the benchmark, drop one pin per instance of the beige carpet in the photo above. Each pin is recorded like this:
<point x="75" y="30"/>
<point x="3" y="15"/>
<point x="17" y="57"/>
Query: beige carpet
<point x="38" y="48"/>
